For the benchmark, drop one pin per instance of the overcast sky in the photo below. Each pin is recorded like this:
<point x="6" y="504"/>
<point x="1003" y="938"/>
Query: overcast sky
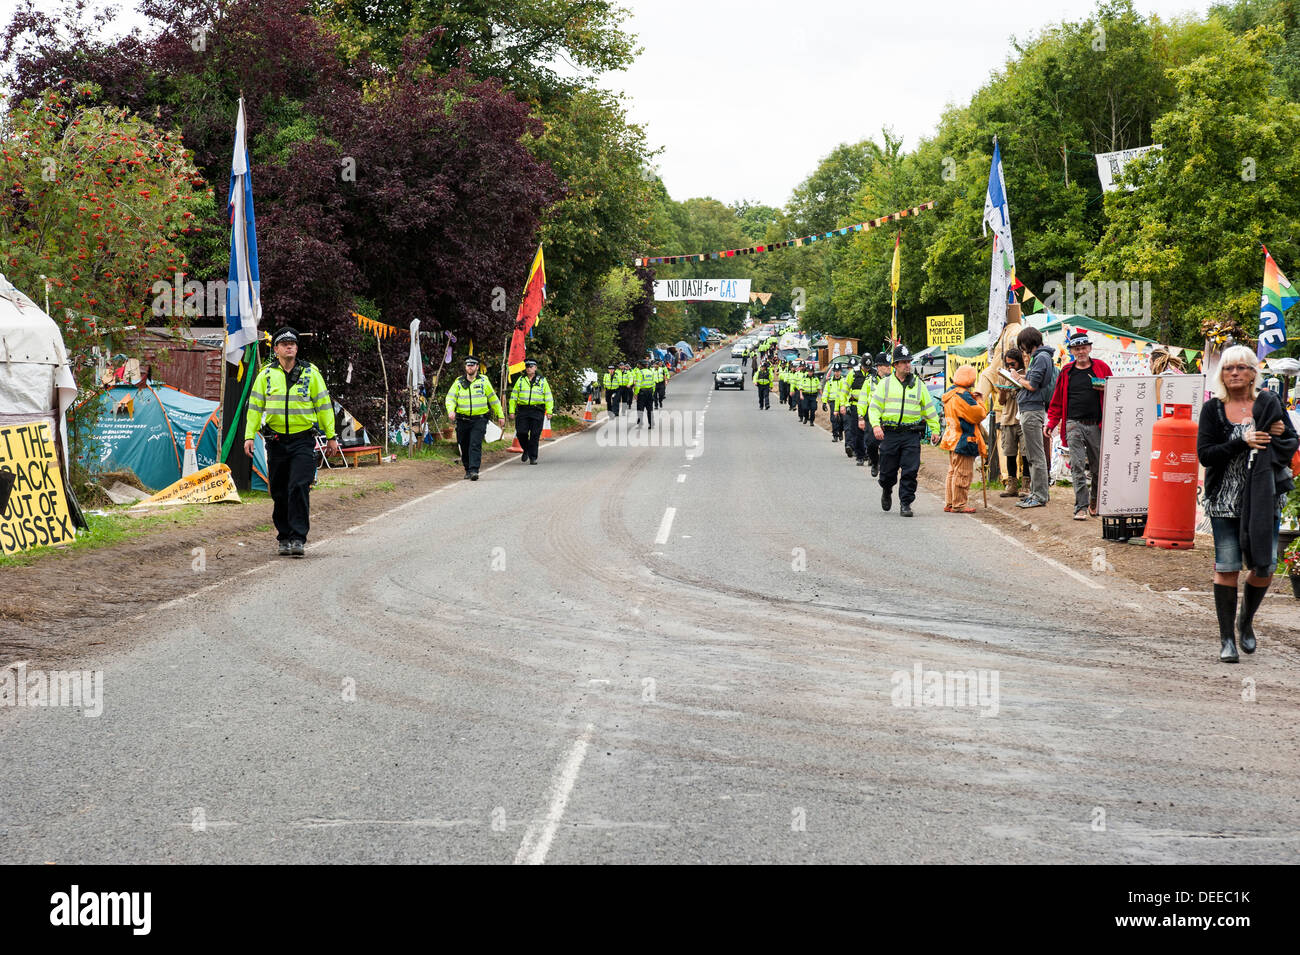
<point x="745" y="96"/>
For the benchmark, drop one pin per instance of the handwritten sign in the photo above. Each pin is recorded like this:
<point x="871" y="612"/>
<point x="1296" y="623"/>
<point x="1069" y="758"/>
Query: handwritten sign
<point x="979" y="362"/>
<point x="944" y="330"/>
<point x="1131" y="408"/>
<point x="702" y="290"/>
<point x="211" y="485"/>
<point x="37" y="511"/>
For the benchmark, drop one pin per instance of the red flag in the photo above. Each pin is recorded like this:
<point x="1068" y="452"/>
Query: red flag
<point x="529" y="309"/>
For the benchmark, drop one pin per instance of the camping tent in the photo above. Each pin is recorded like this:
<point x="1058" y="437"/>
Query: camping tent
<point x="144" y="428"/>
<point x="684" y="350"/>
<point x="35" y="379"/>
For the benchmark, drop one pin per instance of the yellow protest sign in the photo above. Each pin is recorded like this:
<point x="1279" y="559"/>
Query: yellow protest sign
<point x="978" y="361"/>
<point x="211" y="485"/>
<point x="37" y="512"/>
<point x="944" y="330"/>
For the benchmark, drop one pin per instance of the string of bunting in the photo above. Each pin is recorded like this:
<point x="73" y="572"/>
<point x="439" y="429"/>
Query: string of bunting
<point x="378" y="329"/>
<point x="802" y="240"/>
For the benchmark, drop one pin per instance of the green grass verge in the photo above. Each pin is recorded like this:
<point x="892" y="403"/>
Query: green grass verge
<point x="110" y="529"/>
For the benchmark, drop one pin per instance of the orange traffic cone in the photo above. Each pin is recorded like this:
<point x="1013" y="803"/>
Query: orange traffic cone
<point x="546" y="429"/>
<point x="191" y="456"/>
<point x="587" y="414"/>
<point x="515" y="448"/>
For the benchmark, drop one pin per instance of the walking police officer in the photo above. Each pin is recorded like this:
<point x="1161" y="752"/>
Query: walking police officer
<point x="763" y="379"/>
<point x="290" y="397"/>
<point x="900" y="409"/>
<point x="610" y="384"/>
<point x="854" y="423"/>
<point x="626" y="377"/>
<point x="469" y="400"/>
<point x="870" y="443"/>
<point x="530" y="403"/>
<point x="643" y="380"/>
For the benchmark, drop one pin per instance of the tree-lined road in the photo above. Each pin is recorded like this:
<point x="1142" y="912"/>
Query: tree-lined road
<point x="674" y="653"/>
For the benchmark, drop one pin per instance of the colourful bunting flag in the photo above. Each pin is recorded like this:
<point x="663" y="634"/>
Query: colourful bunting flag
<point x="787" y="243"/>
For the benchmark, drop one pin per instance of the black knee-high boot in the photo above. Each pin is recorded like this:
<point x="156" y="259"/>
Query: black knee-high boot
<point x="1225" y="605"/>
<point x="1250" y="602"/>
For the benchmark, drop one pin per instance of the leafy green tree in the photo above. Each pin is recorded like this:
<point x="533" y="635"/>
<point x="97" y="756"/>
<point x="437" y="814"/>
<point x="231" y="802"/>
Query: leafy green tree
<point x="97" y="200"/>
<point x="1224" y="182"/>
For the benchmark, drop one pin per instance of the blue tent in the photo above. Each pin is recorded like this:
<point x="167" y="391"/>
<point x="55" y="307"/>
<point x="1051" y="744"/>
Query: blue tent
<point x="685" y="350"/>
<point x="148" y="437"/>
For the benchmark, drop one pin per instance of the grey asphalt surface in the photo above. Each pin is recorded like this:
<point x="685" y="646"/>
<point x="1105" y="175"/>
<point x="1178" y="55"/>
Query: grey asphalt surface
<point x="538" y="679"/>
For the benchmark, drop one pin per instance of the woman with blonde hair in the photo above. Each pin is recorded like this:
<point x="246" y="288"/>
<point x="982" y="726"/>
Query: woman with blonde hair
<point x="1245" y="441"/>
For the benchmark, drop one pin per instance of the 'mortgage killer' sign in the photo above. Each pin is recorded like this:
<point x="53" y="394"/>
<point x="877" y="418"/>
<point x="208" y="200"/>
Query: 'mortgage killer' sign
<point x="702" y="290"/>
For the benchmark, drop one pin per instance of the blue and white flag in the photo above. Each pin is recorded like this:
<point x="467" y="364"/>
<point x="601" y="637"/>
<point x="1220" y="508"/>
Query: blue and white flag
<point x="997" y="215"/>
<point x="243" y="286"/>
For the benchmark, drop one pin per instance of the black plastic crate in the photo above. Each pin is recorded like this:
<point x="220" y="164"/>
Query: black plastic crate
<point x="1123" y="528"/>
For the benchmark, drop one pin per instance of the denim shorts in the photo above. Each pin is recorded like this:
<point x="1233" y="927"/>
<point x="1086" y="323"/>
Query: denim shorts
<point x="1227" y="544"/>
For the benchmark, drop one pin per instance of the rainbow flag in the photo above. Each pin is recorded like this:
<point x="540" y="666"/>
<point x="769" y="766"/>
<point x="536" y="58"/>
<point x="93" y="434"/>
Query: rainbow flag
<point x="1279" y="295"/>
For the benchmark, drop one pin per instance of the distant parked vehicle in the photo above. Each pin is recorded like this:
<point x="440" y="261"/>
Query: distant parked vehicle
<point x="729" y="376"/>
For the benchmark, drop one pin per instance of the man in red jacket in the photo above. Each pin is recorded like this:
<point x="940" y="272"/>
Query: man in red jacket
<point x="1076" y="406"/>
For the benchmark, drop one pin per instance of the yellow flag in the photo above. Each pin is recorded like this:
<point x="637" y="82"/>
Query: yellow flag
<point x="893" y="275"/>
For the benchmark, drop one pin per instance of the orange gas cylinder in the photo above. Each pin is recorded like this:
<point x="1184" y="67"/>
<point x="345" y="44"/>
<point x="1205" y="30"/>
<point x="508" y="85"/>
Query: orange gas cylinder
<point x="1171" y="509"/>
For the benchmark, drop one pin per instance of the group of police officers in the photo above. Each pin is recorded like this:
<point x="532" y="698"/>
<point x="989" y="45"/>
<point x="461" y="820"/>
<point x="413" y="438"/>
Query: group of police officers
<point x="880" y="413"/>
<point x="647" y="383"/>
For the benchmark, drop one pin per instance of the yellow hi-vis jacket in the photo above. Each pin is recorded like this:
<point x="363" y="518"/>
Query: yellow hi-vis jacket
<point x="897" y="404"/>
<point x="476" y="397"/>
<point x="531" y="393"/>
<point x="610" y="381"/>
<point x="643" y="379"/>
<point x="289" y="404"/>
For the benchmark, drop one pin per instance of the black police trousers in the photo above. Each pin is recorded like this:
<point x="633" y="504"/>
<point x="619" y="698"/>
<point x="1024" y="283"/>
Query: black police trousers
<point x="625" y="398"/>
<point x="900" y="462"/>
<point x="528" y="426"/>
<point x="611" y="401"/>
<point x="869" y="443"/>
<point x="469" y="438"/>
<point x="853" y="446"/>
<point x="782" y="392"/>
<point x="291" y="460"/>
<point x="645" y="401"/>
<point x="763" y="390"/>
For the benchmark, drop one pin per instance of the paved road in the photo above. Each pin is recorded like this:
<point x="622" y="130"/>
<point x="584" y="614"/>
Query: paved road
<point x="546" y="667"/>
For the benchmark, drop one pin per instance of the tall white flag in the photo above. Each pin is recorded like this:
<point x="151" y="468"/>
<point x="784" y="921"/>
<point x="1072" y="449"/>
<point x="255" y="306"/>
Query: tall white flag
<point x="997" y="215"/>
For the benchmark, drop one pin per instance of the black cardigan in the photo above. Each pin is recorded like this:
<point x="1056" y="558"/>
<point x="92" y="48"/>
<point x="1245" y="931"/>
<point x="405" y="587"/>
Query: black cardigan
<point x="1268" y="477"/>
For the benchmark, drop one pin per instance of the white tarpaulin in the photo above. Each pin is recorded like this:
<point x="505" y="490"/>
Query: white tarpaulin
<point x="702" y="290"/>
<point x="1110" y="165"/>
<point x="35" y="378"/>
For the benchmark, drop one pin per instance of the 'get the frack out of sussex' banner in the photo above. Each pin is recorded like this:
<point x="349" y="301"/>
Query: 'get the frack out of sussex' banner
<point x="37" y="512"/>
<point x="702" y="290"/>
